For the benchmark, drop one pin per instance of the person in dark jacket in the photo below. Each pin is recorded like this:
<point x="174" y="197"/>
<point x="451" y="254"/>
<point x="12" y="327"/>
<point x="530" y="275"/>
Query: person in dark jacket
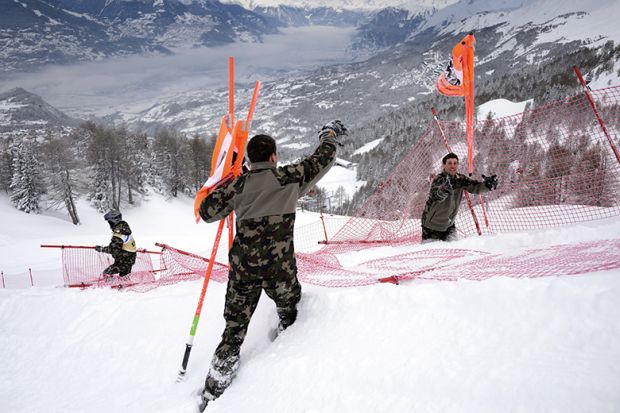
<point x="262" y="256"/>
<point x="122" y="246"/>
<point x="445" y="198"/>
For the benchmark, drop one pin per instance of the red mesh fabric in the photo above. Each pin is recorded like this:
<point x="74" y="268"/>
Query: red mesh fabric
<point x="178" y="265"/>
<point x="555" y="155"/>
<point x="542" y="262"/>
<point x="555" y="166"/>
<point x="445" y="264"/>
<point x="83" y="266"/>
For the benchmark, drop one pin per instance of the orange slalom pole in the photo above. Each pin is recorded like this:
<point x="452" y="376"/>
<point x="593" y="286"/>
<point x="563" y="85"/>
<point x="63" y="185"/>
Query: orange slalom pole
<point x="248" y="120"/>
<point x="205" y="283"/>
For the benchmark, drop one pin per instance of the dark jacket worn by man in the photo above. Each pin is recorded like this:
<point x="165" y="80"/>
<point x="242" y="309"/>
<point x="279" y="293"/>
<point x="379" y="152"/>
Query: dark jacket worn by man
<point x="445" y="198"/>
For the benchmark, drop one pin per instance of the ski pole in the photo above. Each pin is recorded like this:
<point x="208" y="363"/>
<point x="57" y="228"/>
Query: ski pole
<point x="205" y="283"/>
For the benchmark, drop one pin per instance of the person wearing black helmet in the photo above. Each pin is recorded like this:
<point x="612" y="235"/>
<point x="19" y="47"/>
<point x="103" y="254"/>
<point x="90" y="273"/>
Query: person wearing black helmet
<point x="122" y="247"/>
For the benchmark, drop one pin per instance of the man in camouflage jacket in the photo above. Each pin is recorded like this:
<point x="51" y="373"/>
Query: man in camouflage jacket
<point x="262" y="256"/>
<point x="445" y="199"/>
<point x="122" y="246"/>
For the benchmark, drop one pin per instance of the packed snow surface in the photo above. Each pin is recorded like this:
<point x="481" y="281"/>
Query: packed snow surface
<point x="500" y="345"/>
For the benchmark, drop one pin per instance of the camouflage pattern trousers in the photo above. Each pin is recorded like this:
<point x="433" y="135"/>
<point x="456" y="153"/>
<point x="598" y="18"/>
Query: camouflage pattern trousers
<point x="241" y="299"/>
<point x="122" y="264"/>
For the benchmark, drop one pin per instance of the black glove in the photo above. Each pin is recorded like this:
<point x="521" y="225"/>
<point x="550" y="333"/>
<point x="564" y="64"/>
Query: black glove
<point x="98" y="248"/>
<point x="490" y="181"/>
<point x="332" y="131"/>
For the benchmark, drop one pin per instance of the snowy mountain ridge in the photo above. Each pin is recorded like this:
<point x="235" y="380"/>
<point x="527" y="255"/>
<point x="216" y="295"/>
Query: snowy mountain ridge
<point x="471" y="15"/>
<point x="401" y="74"/>
<point x="35" y="33"/>
<point x="414" y="5"/>
<point x="20" y="109"/>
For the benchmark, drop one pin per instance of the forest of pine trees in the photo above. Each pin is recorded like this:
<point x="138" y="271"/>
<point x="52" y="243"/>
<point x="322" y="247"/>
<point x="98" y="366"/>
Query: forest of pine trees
<point x="108" y="166"/>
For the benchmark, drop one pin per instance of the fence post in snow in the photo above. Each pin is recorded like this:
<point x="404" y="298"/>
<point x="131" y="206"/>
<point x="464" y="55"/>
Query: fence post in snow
<point x="30" y="272"/>
<point x="2" y="273"/>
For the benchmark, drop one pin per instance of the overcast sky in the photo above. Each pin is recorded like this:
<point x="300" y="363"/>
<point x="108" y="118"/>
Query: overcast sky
<point x="100" y="87"/>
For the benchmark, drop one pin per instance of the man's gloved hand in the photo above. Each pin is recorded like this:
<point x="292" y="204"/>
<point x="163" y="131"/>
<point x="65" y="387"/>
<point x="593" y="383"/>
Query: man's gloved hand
<point x="490" y="181"/>
<point x="332" y="131"/>
<point x="98" y="248"/>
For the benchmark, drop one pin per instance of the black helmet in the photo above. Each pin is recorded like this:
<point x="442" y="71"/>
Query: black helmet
<point x="113" y="217"/>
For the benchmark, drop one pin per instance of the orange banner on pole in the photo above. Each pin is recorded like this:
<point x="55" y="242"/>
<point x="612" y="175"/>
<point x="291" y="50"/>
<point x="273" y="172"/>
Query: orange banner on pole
<point x="458" y="80"/>
<point x="229" y="151"/>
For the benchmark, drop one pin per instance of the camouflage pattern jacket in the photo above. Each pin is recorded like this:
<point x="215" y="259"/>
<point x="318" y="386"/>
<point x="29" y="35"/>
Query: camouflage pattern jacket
<point x="445" y="199"/>
<point x="122" y="242"/>
<point x="264" y="200"/>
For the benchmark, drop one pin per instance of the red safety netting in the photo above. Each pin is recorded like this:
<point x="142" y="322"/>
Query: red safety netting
<point x="555" y="164"/>
<point x="443" y="264"/>
<point x="83" y="266"/>
<point x="180" y="265"/>
<point x="556" y="260"/>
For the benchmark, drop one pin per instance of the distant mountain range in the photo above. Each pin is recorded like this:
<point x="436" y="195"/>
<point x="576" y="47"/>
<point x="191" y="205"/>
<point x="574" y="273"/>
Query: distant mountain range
<point x="34" y="33"/>
<point x="38" y="32"/>
<point x="369" y="5"/>
<point x="405" y="70"/>
<point x="20" y="109"/>
<point x="408" y="50"/>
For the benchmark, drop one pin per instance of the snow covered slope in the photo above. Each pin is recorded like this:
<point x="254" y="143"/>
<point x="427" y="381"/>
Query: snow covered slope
<point x="500" y="345"/>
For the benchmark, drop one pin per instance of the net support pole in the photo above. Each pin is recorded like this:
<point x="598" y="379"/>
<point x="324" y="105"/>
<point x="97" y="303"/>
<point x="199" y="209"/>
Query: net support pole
<point x="205" y="283"/>
<point x="597" y="114"/>
<point x="467" y="197"/>
<point x="324" y="229"/>
<point x="3" y="285"/>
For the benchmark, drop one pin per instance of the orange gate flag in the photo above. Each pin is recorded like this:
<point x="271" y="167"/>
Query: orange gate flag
<point x="228" y="154"/>
<point x="221" y="164"/>
<point x="458" y="80"/>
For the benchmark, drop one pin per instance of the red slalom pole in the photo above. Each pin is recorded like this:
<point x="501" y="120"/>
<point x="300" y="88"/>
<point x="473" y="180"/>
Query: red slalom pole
<point x="586" y="90"/>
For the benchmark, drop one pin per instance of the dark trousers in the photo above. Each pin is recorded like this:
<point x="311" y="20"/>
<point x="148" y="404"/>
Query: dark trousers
<point x="122" y="264"/>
